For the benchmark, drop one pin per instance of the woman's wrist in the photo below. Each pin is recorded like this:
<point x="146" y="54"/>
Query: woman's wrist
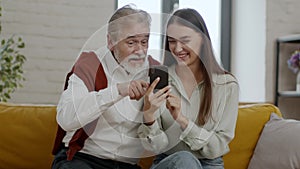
<point x="183" y="122"/>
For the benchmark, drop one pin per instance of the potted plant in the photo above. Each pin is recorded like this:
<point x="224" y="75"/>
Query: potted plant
<point x="11" y="64"/>
<point x="294" y="64"/>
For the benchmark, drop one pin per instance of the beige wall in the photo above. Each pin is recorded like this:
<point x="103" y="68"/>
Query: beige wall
<point x="282" y="19"/>
<point x="54" y="33"/>
<point x="255" y="27"/>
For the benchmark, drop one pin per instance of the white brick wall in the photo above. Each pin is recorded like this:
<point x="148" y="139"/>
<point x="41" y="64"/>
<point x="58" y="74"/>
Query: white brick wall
<point x="54" y="33"/>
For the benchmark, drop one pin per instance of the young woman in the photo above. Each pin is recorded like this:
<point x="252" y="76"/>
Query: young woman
<point x="197" y="123"/>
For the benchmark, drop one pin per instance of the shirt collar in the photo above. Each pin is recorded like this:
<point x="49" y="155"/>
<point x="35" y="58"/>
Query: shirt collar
<point x="106" y="57"/>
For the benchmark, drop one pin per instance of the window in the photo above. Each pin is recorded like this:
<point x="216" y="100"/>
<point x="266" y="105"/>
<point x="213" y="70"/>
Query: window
<point x="211" y="13"/>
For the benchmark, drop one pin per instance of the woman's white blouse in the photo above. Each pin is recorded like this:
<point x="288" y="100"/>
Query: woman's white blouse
<point x="209" y="141"/>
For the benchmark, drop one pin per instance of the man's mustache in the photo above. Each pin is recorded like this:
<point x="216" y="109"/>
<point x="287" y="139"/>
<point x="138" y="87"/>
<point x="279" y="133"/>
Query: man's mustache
<point x="136" y="57"/>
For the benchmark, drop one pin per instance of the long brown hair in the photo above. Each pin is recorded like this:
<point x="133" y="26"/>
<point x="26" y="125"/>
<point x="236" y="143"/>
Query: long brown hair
<point x="192" y="19"/>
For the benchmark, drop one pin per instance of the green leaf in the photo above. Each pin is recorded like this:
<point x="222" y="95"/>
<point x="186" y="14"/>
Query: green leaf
<point x="4" y="100"/>
<point x="22" y="45"/>
<point x="10" y="50"/>
<point x="7" y="95"/>
<point x="15" y="68"/>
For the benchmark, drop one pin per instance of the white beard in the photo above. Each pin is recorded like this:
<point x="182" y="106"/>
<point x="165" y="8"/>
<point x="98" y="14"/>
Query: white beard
<point x="136" y="70"/>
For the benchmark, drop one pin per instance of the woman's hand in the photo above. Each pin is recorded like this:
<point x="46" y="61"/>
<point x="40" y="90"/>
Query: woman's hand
<point x="152" y="101"/>
<point x="174" y="105"/>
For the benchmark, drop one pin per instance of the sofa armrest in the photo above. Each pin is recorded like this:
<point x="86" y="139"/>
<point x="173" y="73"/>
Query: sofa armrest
<point x="27" y="135"/>
<point x="250" y="123"/>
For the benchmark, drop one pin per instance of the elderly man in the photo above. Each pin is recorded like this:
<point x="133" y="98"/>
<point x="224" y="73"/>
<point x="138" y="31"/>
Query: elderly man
<point x="99" y="111"/>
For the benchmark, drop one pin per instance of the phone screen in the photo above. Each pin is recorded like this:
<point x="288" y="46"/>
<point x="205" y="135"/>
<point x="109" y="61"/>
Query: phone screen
<point x="159" y="71"/>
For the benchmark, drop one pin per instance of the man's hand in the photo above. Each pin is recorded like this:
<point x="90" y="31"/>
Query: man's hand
<point x="135" y="89"/>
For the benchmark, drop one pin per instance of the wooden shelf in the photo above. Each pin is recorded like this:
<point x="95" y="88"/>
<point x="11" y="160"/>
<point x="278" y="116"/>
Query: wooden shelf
<point x="289" y="39"/>
<point x="289" y="94"/>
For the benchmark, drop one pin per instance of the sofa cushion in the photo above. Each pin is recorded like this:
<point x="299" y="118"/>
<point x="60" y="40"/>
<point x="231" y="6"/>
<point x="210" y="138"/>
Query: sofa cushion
<point x="28" y="132"/>
<point x="250" y="123"/>
<point x="278" y="146"/>
<point x="27" y="135"/>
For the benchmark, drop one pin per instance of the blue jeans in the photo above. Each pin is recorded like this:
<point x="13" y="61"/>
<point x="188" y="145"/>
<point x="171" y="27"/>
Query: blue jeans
<point x="184" y="160"/>
<point x="86" y="161"/>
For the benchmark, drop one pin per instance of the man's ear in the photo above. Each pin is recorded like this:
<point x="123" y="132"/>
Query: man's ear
<point x="110" y="44"/>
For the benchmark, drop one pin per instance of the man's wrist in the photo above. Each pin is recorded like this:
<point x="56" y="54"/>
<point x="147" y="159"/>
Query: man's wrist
<point x="149" y="123"/>
<point x="118" y="88"/>
<point x="149" y="120"/>
<point x="121" y="89"/>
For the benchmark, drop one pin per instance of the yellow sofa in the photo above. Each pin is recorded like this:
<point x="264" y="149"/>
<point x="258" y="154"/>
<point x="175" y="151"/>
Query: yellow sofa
<point x="27" y="134"/>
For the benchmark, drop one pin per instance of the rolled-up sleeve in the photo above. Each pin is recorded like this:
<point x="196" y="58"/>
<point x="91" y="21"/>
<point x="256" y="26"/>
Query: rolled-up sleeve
<point x="195" y="136"/>
<point x="214" y="143"/>
<point x="152" y="137"/>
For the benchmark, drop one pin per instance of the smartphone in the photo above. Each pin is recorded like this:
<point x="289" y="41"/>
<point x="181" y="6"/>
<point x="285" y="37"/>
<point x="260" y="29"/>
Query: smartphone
<point x="159" y="71"/>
